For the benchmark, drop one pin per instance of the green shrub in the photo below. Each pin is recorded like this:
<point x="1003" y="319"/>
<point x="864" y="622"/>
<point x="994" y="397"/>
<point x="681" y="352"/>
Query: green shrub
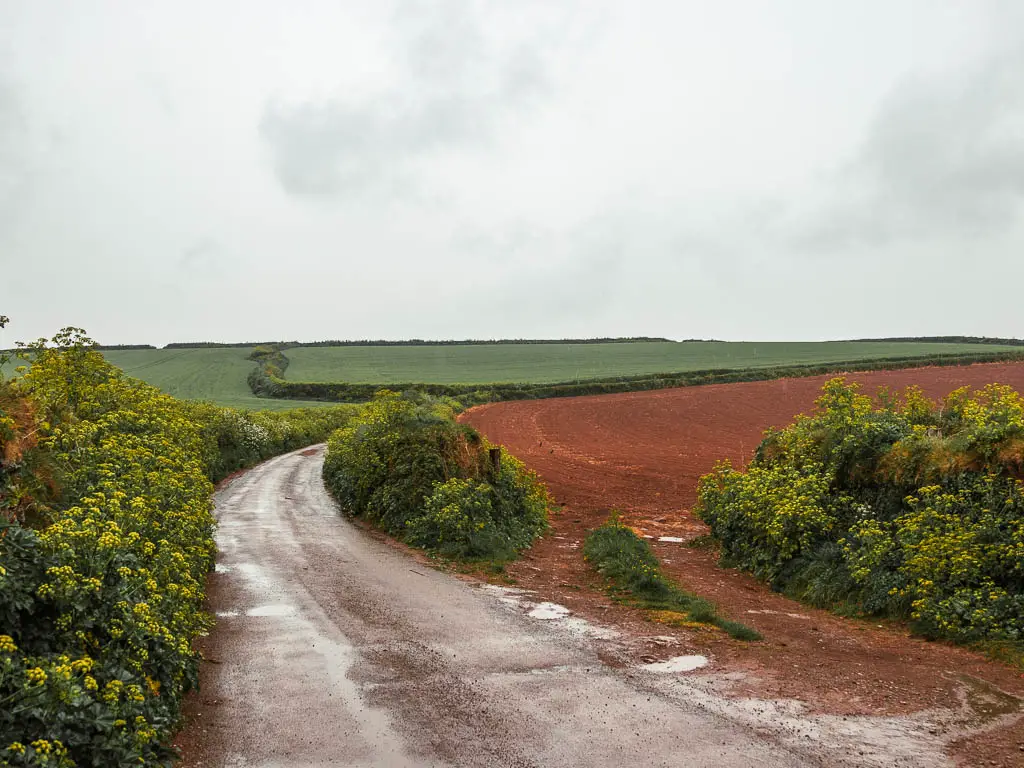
<point x="457" y="521"/>
<point x="904" y="508"/>
<point x="628" y="563"/>
<point x="406" y="464"/>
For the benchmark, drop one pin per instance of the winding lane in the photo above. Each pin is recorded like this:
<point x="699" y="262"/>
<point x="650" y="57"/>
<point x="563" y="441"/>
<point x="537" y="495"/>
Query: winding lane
<point x="333" y="648"/>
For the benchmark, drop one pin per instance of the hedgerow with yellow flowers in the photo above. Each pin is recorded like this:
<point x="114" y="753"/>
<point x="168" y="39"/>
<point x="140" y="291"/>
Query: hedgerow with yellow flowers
<point x="106" y="537"/>
<point x="900" y="507"/>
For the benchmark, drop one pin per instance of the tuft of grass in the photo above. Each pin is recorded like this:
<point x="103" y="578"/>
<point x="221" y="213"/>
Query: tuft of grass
<point x="635" y="574"/>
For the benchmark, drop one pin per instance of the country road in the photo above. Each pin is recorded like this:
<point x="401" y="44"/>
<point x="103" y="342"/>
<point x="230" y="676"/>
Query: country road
<point x="333" y="648"/>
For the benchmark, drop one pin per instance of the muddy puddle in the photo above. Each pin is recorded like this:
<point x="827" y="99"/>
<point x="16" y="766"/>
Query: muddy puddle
<point x="677" y="664"/>
<point x="986" y="704"/>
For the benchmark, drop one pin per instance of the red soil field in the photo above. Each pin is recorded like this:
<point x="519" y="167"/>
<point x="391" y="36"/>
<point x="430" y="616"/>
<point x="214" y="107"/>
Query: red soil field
<point x="645" y="451"/>
<point x="642" y="453"/>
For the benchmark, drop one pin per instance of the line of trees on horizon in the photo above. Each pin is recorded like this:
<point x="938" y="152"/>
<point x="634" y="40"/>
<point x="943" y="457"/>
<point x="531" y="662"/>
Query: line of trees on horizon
<point x="993" y="340"/>
<point x="1008" y="342"/>
<point x="420" y="342"/>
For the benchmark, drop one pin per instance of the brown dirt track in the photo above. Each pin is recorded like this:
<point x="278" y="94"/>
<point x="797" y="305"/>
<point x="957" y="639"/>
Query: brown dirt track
<point x="643" y="453"/>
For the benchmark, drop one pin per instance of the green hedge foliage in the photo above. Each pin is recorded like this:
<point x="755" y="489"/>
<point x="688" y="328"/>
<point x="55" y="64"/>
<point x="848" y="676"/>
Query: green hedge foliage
<point x="901" y="507"/>
<point x="106" y="537"/>
<point x="407" y="465"/>
<point x="234" y="440"/>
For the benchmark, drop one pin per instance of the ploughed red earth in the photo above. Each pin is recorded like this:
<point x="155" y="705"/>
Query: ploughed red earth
<point x="643" y="453"/>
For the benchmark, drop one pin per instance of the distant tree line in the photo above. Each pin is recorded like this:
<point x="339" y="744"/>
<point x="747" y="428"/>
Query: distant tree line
<point x="954" y="340"/>
<point x="479" y="342"/>
<point x="415" y="342"/>
<point x="99" y="347"/>
<point x="226" y="345"/>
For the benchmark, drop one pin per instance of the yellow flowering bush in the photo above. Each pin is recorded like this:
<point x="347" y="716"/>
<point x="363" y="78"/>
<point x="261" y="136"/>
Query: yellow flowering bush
<point x="903" y="507"/>
<point x="767" y="515"/>
<point x="101" y="591"/>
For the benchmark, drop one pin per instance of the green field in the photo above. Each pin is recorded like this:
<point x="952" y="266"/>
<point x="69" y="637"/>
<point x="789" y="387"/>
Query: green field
<point x="549" y="363"/>
<point x="200" y="374"/>
<point x="219" y="374"/>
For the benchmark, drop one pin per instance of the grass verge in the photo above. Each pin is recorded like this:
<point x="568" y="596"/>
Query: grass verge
<point x="636" y="578"/>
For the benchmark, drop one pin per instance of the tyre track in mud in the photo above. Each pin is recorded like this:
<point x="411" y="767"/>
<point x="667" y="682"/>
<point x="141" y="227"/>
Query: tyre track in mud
<point x="334" y="648"/>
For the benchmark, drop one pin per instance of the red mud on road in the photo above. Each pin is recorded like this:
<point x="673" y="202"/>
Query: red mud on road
<point x="643" y="453"/>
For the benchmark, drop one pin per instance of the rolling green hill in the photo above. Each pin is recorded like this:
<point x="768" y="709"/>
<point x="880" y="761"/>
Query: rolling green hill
<point x="217" y="374"/>
<point x="220" y="373"/>
<point x="200" y="374"/>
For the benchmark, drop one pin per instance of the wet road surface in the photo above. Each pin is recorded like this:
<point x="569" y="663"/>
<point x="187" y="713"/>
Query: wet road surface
<point x="335" y="649"/>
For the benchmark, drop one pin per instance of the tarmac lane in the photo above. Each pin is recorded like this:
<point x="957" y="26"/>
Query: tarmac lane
<point x="333" y="648"/>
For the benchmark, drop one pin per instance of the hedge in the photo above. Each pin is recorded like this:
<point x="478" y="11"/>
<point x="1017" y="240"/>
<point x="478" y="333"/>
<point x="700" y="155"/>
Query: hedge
<point x="106" y="537"/>
<point x="408" y="466"/>
<point x="903" y="508"/>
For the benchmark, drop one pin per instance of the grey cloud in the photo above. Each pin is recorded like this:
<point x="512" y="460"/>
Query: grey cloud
<point x="578" y="168"/>
<point x="512" y="243"/>
<point x="944" y="157"/>
<point x="458" y="83"/>
<point x="571" y="279"/>
<point x="157" y="88"/>
<point x="323" y="150"/>
<point x="569" y="293"/>
<point x="202" y="256"/>
<point x="440" y="42"/>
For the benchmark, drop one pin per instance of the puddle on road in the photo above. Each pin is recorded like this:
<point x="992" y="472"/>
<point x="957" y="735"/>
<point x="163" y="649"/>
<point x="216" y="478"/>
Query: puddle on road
<point x="553" y="670"/>
<point x="277" y="609"/>
<point x="557" y="615"/>
<point x="226" y="614"/>
<point x="221" y="568"/>
<point x="549" y="611"/>
<point x="677" y="664"/>
<point x="506" y="594"/>
<point x="256" y="575"/>
<point x="584" y="628"/>
<point x="671" y="539"/>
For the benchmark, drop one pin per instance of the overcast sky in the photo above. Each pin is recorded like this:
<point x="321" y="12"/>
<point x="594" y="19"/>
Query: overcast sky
<point x="529" y="168"/>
